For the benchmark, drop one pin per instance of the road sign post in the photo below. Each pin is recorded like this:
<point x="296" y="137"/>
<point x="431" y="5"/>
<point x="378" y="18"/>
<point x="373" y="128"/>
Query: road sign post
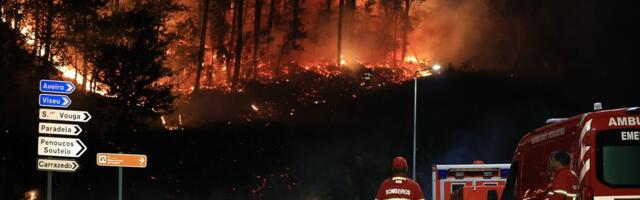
<point x="49" y="183"/>
<point x="120" y="183"/>
<point x="56" y="146"/>
<point x="121" y="160"/>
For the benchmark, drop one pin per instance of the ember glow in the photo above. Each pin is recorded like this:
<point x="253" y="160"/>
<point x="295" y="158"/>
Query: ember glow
<point x="372" y="54"/>
<point x="369" y="42"/>
<point x="411" y="59"/>
<point x="364" y="46"/>
<point x="64" y="65"/>
<point x="32" y="195"/>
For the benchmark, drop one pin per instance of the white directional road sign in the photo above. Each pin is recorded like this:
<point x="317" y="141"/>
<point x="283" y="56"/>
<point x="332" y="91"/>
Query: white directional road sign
<point x="60" y="147"/>
<point x="64" y="115"/>
<point x="45" y="164"/>
<point x="59" y="129"/>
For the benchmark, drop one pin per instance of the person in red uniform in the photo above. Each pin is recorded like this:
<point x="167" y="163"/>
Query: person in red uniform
<point x="399" y="187"/>
<point x="564" y="185"/>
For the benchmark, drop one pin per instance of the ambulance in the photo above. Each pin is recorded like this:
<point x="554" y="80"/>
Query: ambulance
<point x="605" y="149"/>
<point x="468" y="181"/>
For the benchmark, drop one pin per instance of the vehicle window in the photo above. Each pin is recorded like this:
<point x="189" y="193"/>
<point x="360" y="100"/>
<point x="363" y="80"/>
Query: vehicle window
<point x="617" y="155"/>
<point x="490" y="184"/>
<point x="456" y="186"/>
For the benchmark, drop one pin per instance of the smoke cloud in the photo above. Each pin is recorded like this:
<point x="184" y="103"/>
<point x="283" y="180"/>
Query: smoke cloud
<point x="451" y="31"/>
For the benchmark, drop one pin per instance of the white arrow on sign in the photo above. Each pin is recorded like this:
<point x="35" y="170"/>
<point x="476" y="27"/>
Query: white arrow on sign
<point x="64" y="115"/>
<point x="59" y="129"/>
<point x="60" y="147"/>
<point x="70" y="87"/>
<point x="45" y="164"/>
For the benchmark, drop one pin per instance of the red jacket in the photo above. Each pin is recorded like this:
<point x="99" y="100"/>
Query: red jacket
<point x="564" y="185"/>
<point x="399" y="188"/>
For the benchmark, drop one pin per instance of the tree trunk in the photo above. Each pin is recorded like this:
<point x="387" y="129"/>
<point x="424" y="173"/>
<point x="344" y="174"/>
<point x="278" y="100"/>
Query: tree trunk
<point x="214" y="45"/>
<point x="94" y="76"/>
<point x="203" y="33"/>
<point x="231" y="39"/>
<point x="395" y="33"/>
<point x="238" y="53"/>
<point x="47" y="40"/>
<point x="85" y="75"/>
<point x="405" y="29"/>
<point x="272" y="9"/>
<point x="220" y="31"/>
<point x="256" y="37"/>
<point x="212" y="36"/>
<point x="282" y="51"/>
<point x="16" y="12"/>
<point x="350" y="18"/>
<point x="75" y="67"/>
<point x="36" y="28"/>
<point x="340" y="16"/>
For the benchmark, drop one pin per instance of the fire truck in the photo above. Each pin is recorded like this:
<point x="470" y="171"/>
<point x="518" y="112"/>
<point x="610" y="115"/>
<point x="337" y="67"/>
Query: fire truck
<point x="468" y="181"/>
<point x="605" y="149"/>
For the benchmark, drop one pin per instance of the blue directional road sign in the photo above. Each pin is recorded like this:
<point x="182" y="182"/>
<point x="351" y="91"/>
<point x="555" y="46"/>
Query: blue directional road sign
<point x="61" y="87"/>
<point x="53" y="100"/>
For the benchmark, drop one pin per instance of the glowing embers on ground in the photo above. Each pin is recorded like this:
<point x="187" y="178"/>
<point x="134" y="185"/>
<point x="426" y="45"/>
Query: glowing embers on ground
<point x="71" y="73"/>
<point x="265" y="183"/>
<point x="411" y="59"/>
<point x="32" y="195"/>
<point x="261" y="111"/>
<point x="172" y="124"/>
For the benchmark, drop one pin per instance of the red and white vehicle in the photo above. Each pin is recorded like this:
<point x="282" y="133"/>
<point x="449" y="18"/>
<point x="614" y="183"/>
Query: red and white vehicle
<point x="468" y="181"/>
<point x="605" y="150"/>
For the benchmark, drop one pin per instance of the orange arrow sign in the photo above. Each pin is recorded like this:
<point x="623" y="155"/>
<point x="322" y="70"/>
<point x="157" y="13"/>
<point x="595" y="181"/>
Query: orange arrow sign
<point x="121" y="160"/>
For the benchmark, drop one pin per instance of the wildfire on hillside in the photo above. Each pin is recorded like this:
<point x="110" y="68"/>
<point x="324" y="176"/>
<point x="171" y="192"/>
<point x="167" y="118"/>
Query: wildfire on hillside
<point x="371" y="57"/>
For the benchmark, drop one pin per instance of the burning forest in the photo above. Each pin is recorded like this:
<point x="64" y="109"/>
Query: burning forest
<point x="220" y="47"/>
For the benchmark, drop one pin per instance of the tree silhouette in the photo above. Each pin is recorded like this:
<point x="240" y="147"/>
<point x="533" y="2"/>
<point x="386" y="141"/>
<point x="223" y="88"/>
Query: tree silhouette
<point x="203" y="33"/>
<point x="130" y="58"/>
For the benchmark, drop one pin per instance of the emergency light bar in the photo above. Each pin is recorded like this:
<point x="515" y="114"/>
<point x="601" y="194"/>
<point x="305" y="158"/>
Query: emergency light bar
<point x="555" y="120"/>
<point x="473" y="166"/>
<point x="597" y="106"/>
<point x="504" y="173"/>
<point x="473" y="169"/>
<point x="459" y="175"/>
<point x="443" y="174"/>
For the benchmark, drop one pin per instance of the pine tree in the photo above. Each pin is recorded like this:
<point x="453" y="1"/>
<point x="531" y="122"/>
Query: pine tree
<point x="130" y="57"/>
<point x="203" y="33"/>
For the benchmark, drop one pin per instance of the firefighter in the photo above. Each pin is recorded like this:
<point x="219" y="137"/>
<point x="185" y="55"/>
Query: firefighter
<point x="399" y="186"/>
<point x="564" y="183"/>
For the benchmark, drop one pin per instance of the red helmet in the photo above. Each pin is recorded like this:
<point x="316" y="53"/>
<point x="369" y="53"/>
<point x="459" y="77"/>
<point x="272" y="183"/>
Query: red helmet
<point x="399" y="162"/>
